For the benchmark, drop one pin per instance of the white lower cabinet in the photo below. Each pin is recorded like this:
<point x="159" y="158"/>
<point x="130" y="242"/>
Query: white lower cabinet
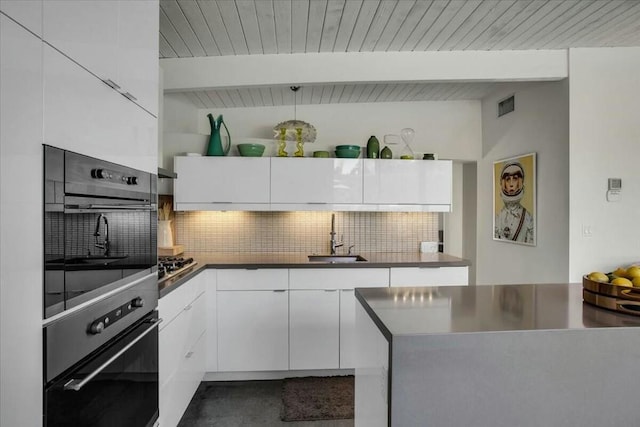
<point x="182" y="348"/>
<point x="253" y="319"/>
<point x="429" y="276"/>
<point x="347" y="328"/>
<point x="253" y="330"/>
<point x="322" y="314"/>
<point x="314" y="329"/>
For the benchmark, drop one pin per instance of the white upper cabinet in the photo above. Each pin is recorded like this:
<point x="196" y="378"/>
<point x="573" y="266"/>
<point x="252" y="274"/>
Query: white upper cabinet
<point x="316" y="181"/>
<point x="408" y="182"/>
<point x="221" y="183"/>
<point x="82" y="114"/>
<point x="138" y="40"/>
<point x="85" y="31"/>
<point x="26" y="13"/>
<point x="288" y="184"/>
<point x="115" y="40"/>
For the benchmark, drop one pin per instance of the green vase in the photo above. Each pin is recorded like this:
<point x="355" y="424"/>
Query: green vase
<point x="386" y="153"/>
<point x="373" y="148"/>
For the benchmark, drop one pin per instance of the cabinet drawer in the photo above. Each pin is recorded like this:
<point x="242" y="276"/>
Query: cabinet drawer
<point x="197" y="319"/>
<point x="174" y="303"/>
<point x="179" y="336"/>
<point x="253" y="280"/>
<point x="338" y="278"/>
<point x="177" y="393"/>
<point x="434" y="276"/>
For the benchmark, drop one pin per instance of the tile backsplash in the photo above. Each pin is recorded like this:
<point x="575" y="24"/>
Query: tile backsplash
<point x="306" y="232"/>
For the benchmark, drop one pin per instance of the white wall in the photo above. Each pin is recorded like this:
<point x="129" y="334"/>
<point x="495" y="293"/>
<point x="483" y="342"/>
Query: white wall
<point x="605" y="143"/>
<point x="179" y="114"/>
<point x="453" y="229"/>
<point x="540" y="124"/>
<point x="469" y="216"/>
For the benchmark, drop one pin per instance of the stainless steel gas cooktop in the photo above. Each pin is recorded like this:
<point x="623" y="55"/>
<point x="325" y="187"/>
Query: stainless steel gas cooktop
<point x="172" y="266"/>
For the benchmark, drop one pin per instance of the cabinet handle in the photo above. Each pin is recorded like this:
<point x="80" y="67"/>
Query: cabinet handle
<point x="111" y="84"/>
<point x="187" y="308"/>
<point x="279" y="290"/>
<point x="188" y="355"/>
<point x="331" y="290"/>
<point x="129" y="96"/>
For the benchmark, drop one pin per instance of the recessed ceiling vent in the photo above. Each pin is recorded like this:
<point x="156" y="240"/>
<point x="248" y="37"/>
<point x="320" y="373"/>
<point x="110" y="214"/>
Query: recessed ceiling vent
<point x="505" y="106"/>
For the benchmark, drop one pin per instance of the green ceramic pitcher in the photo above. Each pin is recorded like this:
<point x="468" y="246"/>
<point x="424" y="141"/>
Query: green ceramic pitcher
<point x="215" y="140"/>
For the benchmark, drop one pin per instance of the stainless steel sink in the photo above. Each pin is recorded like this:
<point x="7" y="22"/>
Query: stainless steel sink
<point x="95" y="260"/>
<point x="331" y="259"/>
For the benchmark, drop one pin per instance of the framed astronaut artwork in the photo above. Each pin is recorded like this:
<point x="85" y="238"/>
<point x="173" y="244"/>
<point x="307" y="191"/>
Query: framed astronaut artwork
<point x="514" y="200"/>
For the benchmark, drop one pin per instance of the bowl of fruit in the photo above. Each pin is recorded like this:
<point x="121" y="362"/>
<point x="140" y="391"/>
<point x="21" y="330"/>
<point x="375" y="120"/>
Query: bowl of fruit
<point x="615" y="290"/>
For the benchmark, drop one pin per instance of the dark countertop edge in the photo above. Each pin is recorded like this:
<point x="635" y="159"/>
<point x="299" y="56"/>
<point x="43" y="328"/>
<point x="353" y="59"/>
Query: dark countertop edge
<point x="372" y="314"/>
<point x="363" y="264"/>
<point x="172" y="284"/>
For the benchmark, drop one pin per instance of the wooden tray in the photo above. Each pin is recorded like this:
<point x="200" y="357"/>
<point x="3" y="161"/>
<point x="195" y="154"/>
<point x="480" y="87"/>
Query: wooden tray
<point x="611" y="303"/>
<point x="623" y="292"/>
<point x="172" y="251"/>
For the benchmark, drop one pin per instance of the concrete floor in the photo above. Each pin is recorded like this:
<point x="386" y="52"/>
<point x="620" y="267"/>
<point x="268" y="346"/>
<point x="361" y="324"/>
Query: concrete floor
<point x="243" y="403"/>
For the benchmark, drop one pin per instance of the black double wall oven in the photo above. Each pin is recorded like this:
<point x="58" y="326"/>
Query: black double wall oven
<point x="100" y="293"/>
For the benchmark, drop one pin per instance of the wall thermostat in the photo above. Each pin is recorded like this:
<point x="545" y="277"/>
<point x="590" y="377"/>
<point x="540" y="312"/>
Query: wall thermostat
<point x="613" y="189"/>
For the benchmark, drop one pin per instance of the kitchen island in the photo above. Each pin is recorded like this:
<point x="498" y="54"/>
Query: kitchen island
<point x="488" y="356"/>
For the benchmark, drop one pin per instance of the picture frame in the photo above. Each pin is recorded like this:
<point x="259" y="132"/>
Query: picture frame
<point x="514" y="200"/>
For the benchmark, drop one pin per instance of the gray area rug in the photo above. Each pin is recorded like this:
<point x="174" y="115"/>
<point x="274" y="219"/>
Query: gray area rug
<point x="317" y="398"/>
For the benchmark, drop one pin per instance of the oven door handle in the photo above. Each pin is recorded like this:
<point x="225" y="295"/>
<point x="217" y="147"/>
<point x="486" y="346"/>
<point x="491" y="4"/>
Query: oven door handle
<point x="76" y="385"/>
<point x="118" y="207"/>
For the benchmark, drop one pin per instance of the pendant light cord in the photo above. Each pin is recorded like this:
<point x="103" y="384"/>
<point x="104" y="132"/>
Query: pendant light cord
<point x="295" y="96"/>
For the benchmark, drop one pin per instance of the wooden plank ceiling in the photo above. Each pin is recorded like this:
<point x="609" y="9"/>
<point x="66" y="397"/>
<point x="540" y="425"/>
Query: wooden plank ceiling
<point x="195" y="28"/>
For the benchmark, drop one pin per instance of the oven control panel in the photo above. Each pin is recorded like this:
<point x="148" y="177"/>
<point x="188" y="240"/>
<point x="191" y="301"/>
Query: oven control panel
<point x="114" y="176"/>
<point x="103" y="322"/>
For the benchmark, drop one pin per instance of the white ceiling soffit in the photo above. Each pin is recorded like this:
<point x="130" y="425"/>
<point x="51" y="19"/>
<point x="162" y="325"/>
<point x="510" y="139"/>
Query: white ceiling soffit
<point x="201" y="28"/>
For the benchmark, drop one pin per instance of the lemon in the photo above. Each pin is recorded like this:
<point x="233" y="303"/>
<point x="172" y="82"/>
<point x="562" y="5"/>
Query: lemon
<point x="621" y="281"/>
<point x="620" y="272"/>
<point x="632" y="272"/>
<point x="636" y="282"/>
<point x="597" y="276"/>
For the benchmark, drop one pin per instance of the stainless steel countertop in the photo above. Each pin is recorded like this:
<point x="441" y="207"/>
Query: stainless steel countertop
<point x="300" y="260"/>
<point x="482" y="309"/>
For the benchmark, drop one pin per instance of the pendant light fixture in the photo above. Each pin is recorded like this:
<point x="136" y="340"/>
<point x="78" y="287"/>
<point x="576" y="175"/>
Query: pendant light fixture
<point x="294" y="130"/>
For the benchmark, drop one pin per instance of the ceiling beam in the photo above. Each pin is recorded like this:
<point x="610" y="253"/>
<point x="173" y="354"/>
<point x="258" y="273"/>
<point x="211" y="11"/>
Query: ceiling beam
<point x="218" y="72"/>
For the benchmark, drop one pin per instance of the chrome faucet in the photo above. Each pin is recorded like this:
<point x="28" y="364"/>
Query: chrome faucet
<point x="334" y="243"/>
<point x="105" y="243"/>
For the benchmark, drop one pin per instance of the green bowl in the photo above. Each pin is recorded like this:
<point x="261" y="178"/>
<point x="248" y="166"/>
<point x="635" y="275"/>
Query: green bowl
<point x="348" y="147"/>
<point x="251" y="150"/>
<point x="347" y="153"/>
<point x="324" y="154"/>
